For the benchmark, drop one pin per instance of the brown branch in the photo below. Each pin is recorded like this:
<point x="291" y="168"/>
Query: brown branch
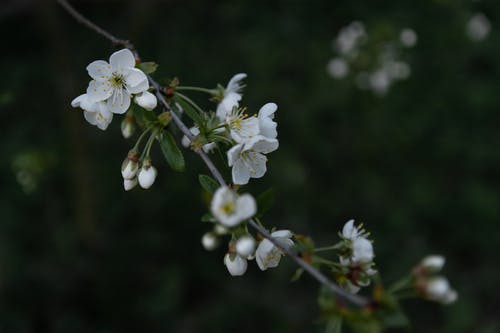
<point x="319" y="276"/>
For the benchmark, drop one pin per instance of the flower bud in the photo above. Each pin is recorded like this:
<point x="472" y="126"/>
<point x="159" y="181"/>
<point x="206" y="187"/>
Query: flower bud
<point x="220" y="230"/>
<point x="146" y="100"/>
<point x="433" y="263"/>
<point x="438" y="289"/>
<point x="209" y="241"/>
<point x="147" y="176"/>
<point x="236" y="265"/>
<point x="129" y="184"/>
<point x="245" y="246"/>
<point x="129" y="168"/>
<point x="128" y="127"/>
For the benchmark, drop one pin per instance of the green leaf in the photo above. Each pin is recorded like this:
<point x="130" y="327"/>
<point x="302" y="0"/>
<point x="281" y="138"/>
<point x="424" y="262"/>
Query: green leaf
<point x="265" y="201"/>
<point x="143" y="117"/>
<point x="208" y="183"/>
<point x="172" y="153"/>
<point x="148" y="67"/>
<point x="190" y="111"/>
<point x="207" y="217"/>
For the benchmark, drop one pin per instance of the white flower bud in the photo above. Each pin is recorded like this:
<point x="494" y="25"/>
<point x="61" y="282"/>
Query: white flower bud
<point x="438" y="289"/>
<point x="129" y="184"/>
<point x="433" y="263"/>
<point x="237" y="266"/>
<point x="245" y="246"/>
<point x="220" y="230"/>
<point x="129" y="168"/>
<point x="128" y="127"/>
<point x="209" y="241"/>
<point x="146" y="100"/>
<point x="147" y="176"/>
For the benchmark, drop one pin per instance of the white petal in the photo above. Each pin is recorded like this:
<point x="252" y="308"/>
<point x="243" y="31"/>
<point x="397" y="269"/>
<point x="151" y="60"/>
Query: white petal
<point x="234" y="84"/>
<point x="90" y="117"/>
<point x="350" y="231"/>
<point x="256" y="164"/>
<point x="237" y="266"/>
<point x="233" y="154"/>
<point x="240" y="173"/>
<point x="246" y="206"/>
<point x="84" y="103"/>
<point x="362" y="250"/>
<point x="146" y="100"/>
<point x="122" y="59"/>
<point x="248" y="128"/>
<point x="282" y="234"/>
<point x="119" y="102"/>
<point x="99" y="70"/>
<point x="129" y="184"/>
<point x="266" y="124"/>
<point x="136" y="81"/>
<point x="261" y="144"/>
<point x="103" y="116"/>
<point x="99" y="91"/>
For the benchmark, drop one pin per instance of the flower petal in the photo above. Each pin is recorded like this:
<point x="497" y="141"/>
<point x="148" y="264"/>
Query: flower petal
<point x="266" y="124"/>
<point x="135" y="80"/>
<point x="246" y="206"/>
<point x="146" y="100"/>
<point x="282" y="234"/>
<point x="233" y="154"/>
<point x="119" y="102"/>
<point x="99" y="91"/>
<point x="122" y="59"/>
<point x="240" y="173"/>
<point x="261" y="144"/>
<point x="99" y="70"/>
<point x="234" y="84"/>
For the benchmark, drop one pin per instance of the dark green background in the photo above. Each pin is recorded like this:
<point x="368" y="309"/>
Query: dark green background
<point x="420" y="167"/>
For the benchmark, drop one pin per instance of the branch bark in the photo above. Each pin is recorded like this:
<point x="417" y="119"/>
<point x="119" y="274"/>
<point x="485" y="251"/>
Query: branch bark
<point x="315" y="273"/>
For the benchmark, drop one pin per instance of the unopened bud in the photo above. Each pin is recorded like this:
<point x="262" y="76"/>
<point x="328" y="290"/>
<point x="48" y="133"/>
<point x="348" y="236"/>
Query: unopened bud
<point x="128" y="127"/>
<point x="164" y="118"/>
<point x="129" y="184"/>
<point x="129" y="167"/>
<point x="438" y="289"/>
<point x="220" y="230"/>
<point x="245" y="246"/>
<point x="146" y="100"/>
<point x="235" y="264"/>
<point x="209" y="241"/>
<point x="433" y="263"/>
<point x="147" y="176"/>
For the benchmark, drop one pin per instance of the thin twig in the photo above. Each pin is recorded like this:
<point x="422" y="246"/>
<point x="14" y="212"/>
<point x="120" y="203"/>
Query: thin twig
<point x="355" y="299"/>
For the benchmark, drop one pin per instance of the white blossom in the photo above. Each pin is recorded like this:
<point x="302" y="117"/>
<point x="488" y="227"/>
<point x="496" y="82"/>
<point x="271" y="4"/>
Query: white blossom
<point x="129" y="184"/>
<point x="478" y="27"/>
<point x="146" y="100"/>
<point x="338" y="68"/>
<point x="231" y="96"/>
<point x="96" y="113"/>
<point x="147" y="176"/>
<point x="116" y="81"/>
<point x="207" y="148"/>
<point x="236" y="265"/>
<point x="248" y="160"/>
<point x="241" y="126"/>
<point x="267" y="126"/>
<point x="433" y="263"/>
<point x="245" y="246"/>
<point x="438" y="289"/>
<point x="349" y="38"/>
<point x="267" y="254"/>
<point x="408" y="37"/>
<point x="209" y="241"/>
<point x="230" y="209"/>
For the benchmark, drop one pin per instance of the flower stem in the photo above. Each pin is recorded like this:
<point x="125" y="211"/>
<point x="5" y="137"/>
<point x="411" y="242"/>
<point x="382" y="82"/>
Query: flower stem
<point x="189" y="101"/>
<point x="328" y="248"/>
<point x="205" y="90"/>
<point x="402" y="284"/>
<point x="138" y="142"/>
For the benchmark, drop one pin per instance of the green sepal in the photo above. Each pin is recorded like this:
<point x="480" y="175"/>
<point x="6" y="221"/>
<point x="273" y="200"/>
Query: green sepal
<point x="148" y="67"/>
<point x="208" y="183"/>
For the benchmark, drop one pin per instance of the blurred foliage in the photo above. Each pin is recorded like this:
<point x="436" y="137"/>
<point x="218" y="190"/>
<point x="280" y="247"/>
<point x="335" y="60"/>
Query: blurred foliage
<point x="420" y="166"/>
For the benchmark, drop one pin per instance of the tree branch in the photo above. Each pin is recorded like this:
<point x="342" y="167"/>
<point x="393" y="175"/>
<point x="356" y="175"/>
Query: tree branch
<point x="320" y="277"/>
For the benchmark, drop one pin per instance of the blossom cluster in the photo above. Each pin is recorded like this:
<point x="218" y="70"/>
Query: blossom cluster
<point x="252" y="137"/>
<point x="375" y="64"/>
<point x="431" y="286"/>
<point x="231" y="211"/>
<point x="112" y="88"/>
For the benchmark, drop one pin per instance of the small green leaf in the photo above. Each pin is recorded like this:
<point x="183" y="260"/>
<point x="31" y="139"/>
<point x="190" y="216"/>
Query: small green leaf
<point x="298" y="273"/>
<point x="208" y="183"/>
<point x="143" y="117"/>
<point x="265" y="201"/>
<point x="172" y="153"/>
<point x="148" y="67"/>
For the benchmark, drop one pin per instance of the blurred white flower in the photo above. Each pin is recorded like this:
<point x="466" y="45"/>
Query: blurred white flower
<point x="349" y="37"/>
<point x="116" y="81"/>
<point x="147" y="176"/>
<point x="248" y="160"/>
<point x="433" y="263"/>
<point x="408" y="37"/>
<point x="236" y="265"/>
<point x="230" y="209"/>
<point x="210" y="241"/>
<point x="245" y="246"/>
<point x="267" y="126"/>
<point x="338" y="68"/>
<point x="267" y="255"/>
<point x="231" y="96"/>
<point x="478" y="27"/>
<point x="380" y="81"/>
<point x="398" y="70"/>
<point x="438" y="289"/>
